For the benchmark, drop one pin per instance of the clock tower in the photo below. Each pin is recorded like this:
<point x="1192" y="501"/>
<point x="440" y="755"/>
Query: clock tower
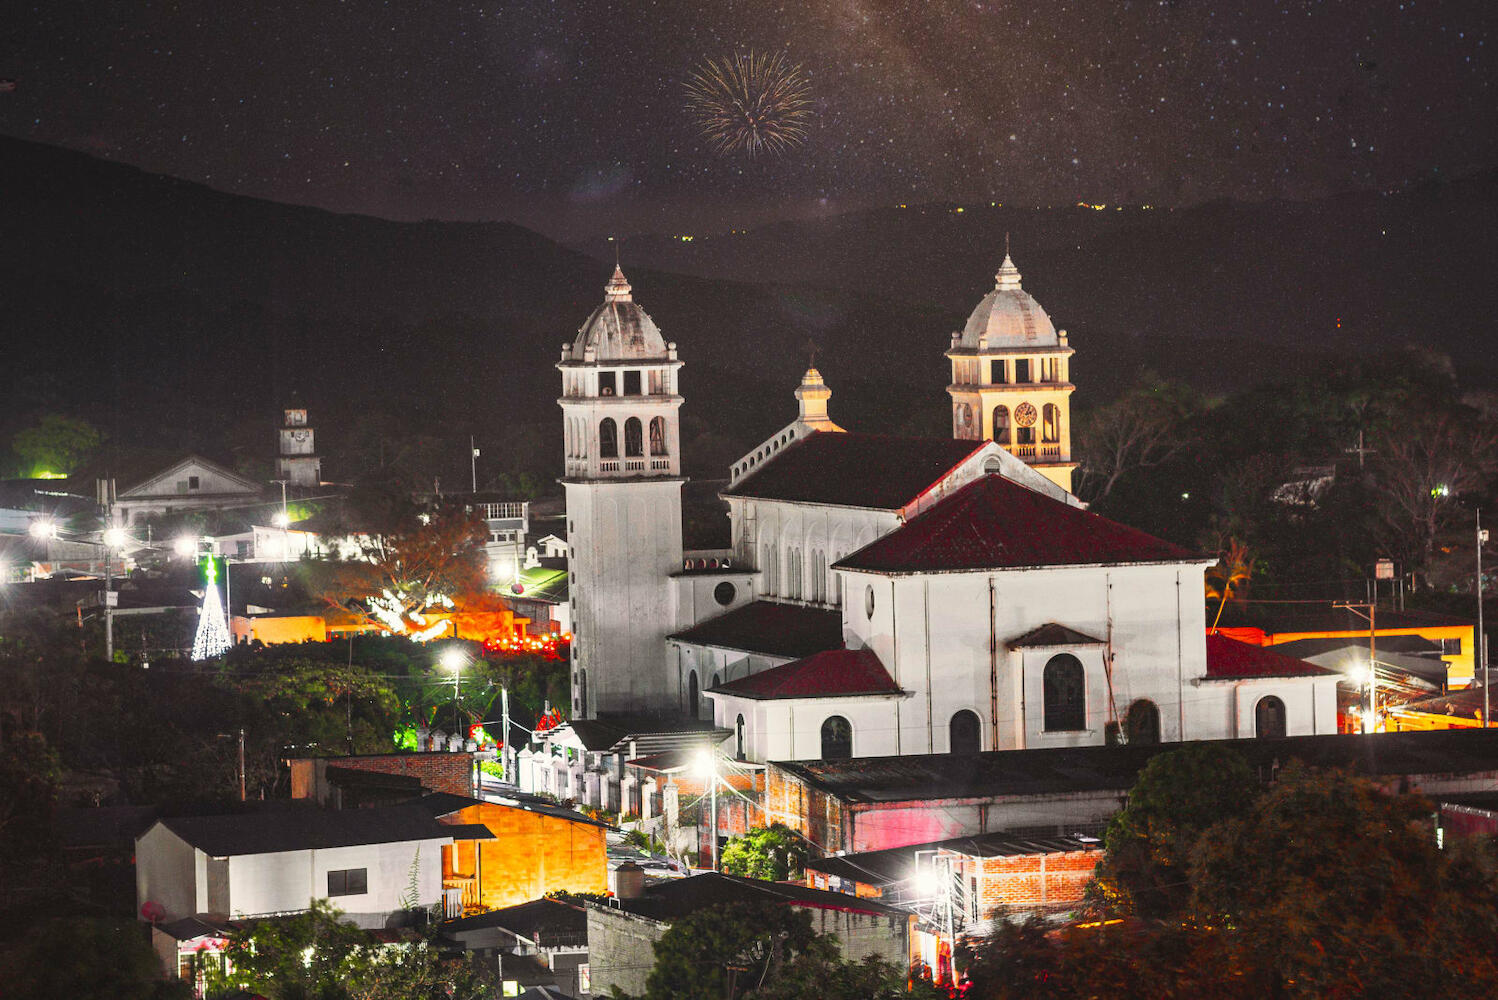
<point x="298" y="463"/>
<point x="620" y="403"/>
<point x="1011" y="379"/>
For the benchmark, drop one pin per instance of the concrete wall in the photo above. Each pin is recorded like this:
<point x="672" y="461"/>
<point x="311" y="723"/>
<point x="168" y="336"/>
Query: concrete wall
<point x="791" y="729"/>
<point x="621" y="949"/>
<point x="532" y="854"/>
<point x="290" y="880"/>
<point x="166" y="873"/>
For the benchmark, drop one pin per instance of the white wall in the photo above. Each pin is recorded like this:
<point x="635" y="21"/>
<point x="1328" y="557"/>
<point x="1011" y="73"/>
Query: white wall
<point x="795" y="532"/>
<point x="166" y="873"/>
<point x="272" y="883"/>
<point x="791" y="728"/>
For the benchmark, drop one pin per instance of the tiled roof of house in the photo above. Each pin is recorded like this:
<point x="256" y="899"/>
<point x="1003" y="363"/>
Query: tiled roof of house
<point x="1229" y="659"/>
<point x="538" y="920"/>
<point x="300" y="828"/>
<point x="678" y="898"/>
<point x="770" y="628"/>
<point x="1052" y="634"/>
<point x="995" y="523"/>
<point x="835" y="673"/>
<point x="880" y="471"/>
<point x="1466" y="703"/>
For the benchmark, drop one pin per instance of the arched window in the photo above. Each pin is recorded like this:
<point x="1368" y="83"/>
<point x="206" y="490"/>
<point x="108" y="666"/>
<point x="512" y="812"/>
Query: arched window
<point x="608" y="438"/>
<point x="1050" y="423"/>
<point x="658" y="436"/>
<point x="634" y="442"/>
<point x="1269" y="718"/>
<point x="1001" y="424"/>
<point x="738" y="728"/>
<point x="1064" y="683"/>
<point x="693" y="697"/>
<point x="964" y="733"/>
<point x="837" y="738"/>
<point x="1142" y="723"/>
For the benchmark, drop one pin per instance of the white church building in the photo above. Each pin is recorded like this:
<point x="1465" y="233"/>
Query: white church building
<point x="884" y="595"/>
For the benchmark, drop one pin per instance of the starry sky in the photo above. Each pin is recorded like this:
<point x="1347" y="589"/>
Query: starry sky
<point x="569" y="117"/>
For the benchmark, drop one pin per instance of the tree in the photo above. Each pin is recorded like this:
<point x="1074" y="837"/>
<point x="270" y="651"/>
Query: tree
<point x="1328" y="887"/>
<point x="1144" y="428"/>
<point x="776" y="853"/>
<point x="316" y="956"/>
<point x="1423" y="468"/>
<point x="80" y="957"/>
<point x="29" y="770"/>
<point x="697" y="957"/>
<point x="56" y="446"/>
<point x="416" y="569"/>
<point x="1148" y="844"/>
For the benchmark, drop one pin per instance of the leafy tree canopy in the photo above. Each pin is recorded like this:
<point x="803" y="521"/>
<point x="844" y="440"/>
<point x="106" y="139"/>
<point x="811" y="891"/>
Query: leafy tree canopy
<point x="776" y="853"/>
<point x="56" y="446"/>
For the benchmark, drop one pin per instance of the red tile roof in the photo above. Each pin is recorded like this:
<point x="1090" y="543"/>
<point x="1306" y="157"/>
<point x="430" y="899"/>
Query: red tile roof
<point x="770" y="628"/>
<point x="1229" y="659"/>
<point x="837" y="673"/>
<point x="995" y="523"/>
<point x="855" y="470"/>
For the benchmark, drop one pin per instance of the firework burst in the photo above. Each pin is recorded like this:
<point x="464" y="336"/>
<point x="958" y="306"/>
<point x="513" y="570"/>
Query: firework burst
<point x="751" y="102"/>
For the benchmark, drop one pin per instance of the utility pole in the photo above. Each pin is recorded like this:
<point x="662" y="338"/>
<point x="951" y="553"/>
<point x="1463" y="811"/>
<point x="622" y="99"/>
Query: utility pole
<point x="473" y="461"/>
<point x="106" y="501"/>
<point x="1370" y="611"/>
<point x="504" y="740"/>
<point x="241" y="764"/>
<point x="1482" y="636"/>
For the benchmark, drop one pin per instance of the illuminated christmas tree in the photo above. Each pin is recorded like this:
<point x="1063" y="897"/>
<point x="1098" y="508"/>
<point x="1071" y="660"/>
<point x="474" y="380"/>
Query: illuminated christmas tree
<point x="213" y="633"/>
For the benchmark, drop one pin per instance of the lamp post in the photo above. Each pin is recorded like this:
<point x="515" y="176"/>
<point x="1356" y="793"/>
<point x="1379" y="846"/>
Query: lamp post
<point x="1482" y="636"/>
<point x="452" y="659"/>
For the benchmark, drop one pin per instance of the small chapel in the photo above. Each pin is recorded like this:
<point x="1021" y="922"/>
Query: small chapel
<point x="886" y="595"/>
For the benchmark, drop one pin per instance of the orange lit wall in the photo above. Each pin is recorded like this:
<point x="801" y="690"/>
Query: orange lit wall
<point x="531" y="854"/>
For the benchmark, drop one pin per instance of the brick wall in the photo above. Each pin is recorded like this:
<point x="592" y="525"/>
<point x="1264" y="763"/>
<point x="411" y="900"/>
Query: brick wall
<point x="1032" y="881"/>
<point x="438" y="772"/>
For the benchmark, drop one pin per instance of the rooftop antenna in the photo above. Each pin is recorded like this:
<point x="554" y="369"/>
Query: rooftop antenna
<point x="1006" y="243"/>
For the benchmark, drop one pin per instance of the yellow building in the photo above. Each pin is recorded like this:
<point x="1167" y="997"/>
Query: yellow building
<point x="1011" y="379"/>
<point x="536" y="848"/>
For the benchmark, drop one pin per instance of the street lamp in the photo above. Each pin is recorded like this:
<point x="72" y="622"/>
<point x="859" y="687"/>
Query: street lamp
<point x="453" y="658"/>
<point x="707" y="766"/>
<point x="185" y="545"/>
<point x="44" y="528"/>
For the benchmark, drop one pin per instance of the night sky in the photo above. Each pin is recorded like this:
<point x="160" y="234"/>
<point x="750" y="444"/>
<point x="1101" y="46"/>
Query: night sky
<point x="570" y="116"/>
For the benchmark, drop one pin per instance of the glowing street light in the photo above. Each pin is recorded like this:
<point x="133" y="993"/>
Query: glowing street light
<point x="281" y="519"/>
<point x="453" y="658"/>
<point x="44" y="528"/>
<point x="115" y="538"/>
<point x="186" y="545"/>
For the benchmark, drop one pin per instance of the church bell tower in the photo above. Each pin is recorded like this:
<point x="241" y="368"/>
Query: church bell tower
<point x="1011" y="379"/>
<point x="620" y="404"/>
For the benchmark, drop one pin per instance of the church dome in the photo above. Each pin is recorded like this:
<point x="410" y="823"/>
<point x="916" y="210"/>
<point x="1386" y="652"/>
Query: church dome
<point x="619" y="330"/>
<point x="1007" y="317"/>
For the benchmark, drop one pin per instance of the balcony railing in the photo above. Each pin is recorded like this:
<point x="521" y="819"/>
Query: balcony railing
<point x="458" y="893"/>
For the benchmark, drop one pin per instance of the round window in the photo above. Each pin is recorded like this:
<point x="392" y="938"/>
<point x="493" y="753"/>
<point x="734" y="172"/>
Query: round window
<point x="868" y="600"/>
<point x="724" y="593"/>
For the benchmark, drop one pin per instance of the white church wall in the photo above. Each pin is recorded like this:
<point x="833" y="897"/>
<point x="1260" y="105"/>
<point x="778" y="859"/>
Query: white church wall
<point x="792" y="545"/>
<point x="791" y="729"/>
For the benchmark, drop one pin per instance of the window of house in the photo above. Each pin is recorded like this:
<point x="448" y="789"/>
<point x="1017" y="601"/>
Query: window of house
<point x="606" y="385"/>
<point x="1001" y="424"/>
<point x="1142" y="723"/>
<point x="1064" y="685"/>
<point x="1269" y="718"/>
<point x="348" y="882"/>
<point x="837" y="738"/>
<point x="964" y="734"/>
<point x="192" y="482"/>
<point x="632" y="383"/>
<point x="608" y="438"/>
<point x="998" y="372"/>
<point x="658" y="435"/>
<point x="1050" y="423"/>
<point x="634" y="438"/>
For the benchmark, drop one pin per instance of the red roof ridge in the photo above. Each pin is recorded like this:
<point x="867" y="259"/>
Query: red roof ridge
<point x="833" y="673"/>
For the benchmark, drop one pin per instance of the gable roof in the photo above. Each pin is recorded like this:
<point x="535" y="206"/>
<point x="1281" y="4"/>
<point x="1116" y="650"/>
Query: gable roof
<point x="770" y="628"/>
<point x="1053" y="634"/>
<point x="681" y="897"/>
<point x="846" y="469"/>
<point x="143" y="488"/>
<point x="300" y="828"/>
<point x="993" y="523"/>
<point x="1229" y="659"/>
<point x="835" y="673"/>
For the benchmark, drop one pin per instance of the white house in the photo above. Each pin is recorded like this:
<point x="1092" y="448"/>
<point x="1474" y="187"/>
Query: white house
<point x="277" y="860"/>
<point x="194" y="483"/>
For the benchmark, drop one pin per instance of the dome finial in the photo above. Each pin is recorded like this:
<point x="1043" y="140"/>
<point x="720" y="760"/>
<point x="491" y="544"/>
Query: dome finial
<point x="618" y="288"/>
<point x="1008" y="277"/>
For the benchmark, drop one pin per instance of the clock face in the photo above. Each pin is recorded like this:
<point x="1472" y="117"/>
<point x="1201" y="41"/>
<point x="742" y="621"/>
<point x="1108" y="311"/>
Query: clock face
<point x="1024" y="415"/>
